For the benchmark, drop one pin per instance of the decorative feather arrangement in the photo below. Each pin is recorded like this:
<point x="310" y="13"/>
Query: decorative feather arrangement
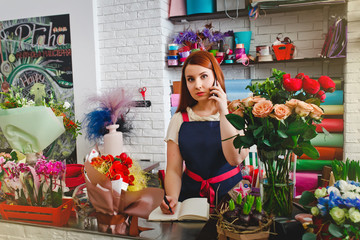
<point x="113" y="106"/>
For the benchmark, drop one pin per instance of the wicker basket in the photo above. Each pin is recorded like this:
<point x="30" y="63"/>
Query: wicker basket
<point x="227" y="230"/>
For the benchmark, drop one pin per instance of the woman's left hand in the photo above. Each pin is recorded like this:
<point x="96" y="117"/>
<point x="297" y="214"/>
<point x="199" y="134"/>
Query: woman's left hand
<point x="220" y="98"/>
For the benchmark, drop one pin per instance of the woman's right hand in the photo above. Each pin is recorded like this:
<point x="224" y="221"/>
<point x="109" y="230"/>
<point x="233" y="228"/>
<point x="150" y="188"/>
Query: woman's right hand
<point x="172" y="203"/>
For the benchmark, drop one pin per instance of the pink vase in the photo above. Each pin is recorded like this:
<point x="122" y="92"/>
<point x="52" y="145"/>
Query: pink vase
<point x="113" y="141"/>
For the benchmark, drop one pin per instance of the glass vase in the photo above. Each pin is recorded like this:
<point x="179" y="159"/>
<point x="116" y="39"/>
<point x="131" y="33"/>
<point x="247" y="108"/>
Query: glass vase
<point x="276" y="186"/>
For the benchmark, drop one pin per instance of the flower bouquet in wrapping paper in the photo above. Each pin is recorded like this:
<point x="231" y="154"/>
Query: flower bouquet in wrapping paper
<point x="279" y="119"/>
<point x="31" y="125"/>
<point x="117" y="190"/>
<point x="336" y="214"/>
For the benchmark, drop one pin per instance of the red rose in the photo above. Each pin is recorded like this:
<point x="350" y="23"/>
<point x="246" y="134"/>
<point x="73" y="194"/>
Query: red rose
<point x="321" y="95"/>
<point x="292" y="84"/>
<point x="311" y="86"/>
<point x="301" y="76"/>
<point x="327" y="83"/>
<point x="123" y="156"/>
<point x="286" y="76"/>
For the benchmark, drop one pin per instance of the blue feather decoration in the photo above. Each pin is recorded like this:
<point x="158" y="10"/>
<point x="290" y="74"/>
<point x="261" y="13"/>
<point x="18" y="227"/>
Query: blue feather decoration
<point x="95" y="122"/>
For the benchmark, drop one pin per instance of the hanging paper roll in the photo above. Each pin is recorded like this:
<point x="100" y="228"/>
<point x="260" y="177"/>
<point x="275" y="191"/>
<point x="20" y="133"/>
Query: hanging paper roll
<point x="327" y="153"/>
<point x="311" y="165"/>
<point x="335" y="98"/>
<point x="331" y="140"/>
<point x="30" y="129"/>
<point x="306" y="181"/>
<point x="333" y="109"/>
<point x="331" y="125"/>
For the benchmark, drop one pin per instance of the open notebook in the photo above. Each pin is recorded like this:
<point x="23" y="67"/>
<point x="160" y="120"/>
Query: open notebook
<point x="189" y="209"/>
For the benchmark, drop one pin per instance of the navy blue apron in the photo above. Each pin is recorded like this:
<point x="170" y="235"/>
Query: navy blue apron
<point x="200" y="147"/>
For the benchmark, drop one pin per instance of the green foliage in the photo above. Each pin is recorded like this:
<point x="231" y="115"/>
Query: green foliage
<point x="239" y="199"/>
<point x="231" y="205"/>
<point x="346" y="170"/>
<point x="258" y="206"/>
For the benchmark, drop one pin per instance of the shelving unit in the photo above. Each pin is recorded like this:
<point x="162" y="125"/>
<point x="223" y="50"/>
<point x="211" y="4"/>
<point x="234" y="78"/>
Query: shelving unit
<point x="275" y="62"/>
<point x="244" y="12"/>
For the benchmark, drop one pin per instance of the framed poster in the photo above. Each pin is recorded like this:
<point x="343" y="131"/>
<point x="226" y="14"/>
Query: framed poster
<point x="52" y="44"/>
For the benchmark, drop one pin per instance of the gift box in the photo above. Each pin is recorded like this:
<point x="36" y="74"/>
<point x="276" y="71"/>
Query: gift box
<point x="284" y="51"/>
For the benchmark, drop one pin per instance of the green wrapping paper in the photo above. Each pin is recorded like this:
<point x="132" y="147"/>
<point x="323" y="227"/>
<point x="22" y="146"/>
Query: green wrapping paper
<point x="331" y="140"/>
<point x="30" y="129"/>
<point x="311" y="165"/>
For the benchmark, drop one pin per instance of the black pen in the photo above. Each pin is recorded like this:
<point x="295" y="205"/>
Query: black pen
<point x="167" y="203"/>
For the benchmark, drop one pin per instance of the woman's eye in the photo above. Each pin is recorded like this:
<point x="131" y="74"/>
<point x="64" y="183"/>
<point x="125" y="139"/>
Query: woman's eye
<point x="204" y="76"/>
<point x="190" y="79"/>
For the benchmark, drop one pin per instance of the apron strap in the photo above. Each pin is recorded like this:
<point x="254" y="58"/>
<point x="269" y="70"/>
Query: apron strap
<point x="185" y="116"/>
<point x="206" y="189"/>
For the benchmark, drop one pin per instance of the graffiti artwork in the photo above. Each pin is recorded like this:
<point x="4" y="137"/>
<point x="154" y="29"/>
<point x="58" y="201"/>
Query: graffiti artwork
<point x="38" y="50"/>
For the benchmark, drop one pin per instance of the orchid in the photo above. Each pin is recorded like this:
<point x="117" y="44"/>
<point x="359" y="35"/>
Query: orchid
<point x="337" y="214"/>
<point x="41" y="185"/>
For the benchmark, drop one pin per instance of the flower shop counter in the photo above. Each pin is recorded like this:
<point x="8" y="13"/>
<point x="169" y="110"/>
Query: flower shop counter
<point x="161" y="230"/>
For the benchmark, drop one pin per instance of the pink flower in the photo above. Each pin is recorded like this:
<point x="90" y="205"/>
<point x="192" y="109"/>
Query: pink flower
<point x="303" y="109"/>
<point x="262" y="109"/>
<point x="316" y="113"/>
<point x="292" y="103"/>
<point x="281" y="112"/>
<point x="321" y="95"/>
<point x="236" y="107"/>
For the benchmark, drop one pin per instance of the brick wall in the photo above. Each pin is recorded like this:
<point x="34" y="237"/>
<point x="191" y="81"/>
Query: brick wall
<point x="132" y="39"/>
<point x="352" y="85"/>
<point x="133" y="45"/>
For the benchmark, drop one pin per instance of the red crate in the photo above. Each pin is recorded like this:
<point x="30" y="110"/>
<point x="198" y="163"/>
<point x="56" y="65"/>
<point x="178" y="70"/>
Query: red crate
<point x="284" y="51"/>
<point x="40" y="215"/>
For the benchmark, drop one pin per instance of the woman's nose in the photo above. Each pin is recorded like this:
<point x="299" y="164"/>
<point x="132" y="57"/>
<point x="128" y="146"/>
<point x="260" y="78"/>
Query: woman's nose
<point x="198" y="83"/>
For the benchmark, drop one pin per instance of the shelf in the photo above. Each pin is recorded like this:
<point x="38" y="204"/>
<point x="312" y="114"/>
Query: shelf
<point x="275" y="62"/>
<point x="244" y="12"/>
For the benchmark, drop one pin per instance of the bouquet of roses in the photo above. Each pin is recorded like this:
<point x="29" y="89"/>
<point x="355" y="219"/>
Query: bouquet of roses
<point x="337" y="211"/>
<point x="41" y="185"/>
<point x="116" y="187"/>
<point x="281" y="113"/>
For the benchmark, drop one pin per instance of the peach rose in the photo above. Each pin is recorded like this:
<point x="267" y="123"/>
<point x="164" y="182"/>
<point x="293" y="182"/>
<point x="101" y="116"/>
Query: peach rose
<point x="250" y="101"/>
<point x="281" y="112"/>
<point x="316" y="113"/>
<point x="236" y="107"/>
<point x="257" y="99"/>
<point x="292" y="103"/>
<point x="303" y="109"/>
<point x="262" y="109"/>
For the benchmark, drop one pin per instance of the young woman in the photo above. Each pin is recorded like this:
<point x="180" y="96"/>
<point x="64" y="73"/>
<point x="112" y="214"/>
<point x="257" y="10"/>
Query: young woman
<point x="195" y="136"/>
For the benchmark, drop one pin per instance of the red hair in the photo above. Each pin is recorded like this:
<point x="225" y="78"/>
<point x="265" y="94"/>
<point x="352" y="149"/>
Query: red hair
<point x="204" y="59"/>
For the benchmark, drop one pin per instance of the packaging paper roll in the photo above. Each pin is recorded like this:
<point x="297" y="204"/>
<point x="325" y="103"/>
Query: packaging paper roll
<point x="306" y="181"/>
<point x="335" y="98"/>
<point x="237" y="85"/>
<point x="175" y="98"/>
<point x="311" y="165"/>
<point x="237" y="95"/>
<point x="331" y="125"/>
<point x="333" y="109"/>
<point x="331" y="140"/>
<point x="327" y="153"/>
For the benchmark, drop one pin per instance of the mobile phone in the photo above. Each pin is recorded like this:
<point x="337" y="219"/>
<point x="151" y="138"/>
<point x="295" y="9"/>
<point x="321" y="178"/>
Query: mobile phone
<point x="215" y="84"/>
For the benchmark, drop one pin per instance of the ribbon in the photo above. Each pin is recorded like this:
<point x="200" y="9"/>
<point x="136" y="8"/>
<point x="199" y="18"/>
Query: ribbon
<point x="206" y="190"/>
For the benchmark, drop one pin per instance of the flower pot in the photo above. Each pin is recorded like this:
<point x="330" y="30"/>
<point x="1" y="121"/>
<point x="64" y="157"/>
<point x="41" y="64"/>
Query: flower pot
<point x="276" y="186"/>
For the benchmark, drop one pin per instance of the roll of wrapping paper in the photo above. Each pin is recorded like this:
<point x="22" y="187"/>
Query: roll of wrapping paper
<point x="335" y="98"/>
<point x="311" y="165"/>
<point x="331" y="125"/>
<point x="331" y="140"/>
<point x="237" y="85"/>
<point x="327" y="153"/>
<point x="333" y="109"/>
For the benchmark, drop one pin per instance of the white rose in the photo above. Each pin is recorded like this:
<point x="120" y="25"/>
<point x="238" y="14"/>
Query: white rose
<point x="66" y="105"/>
<point x="354" y="215"/>
<point x="345" y="186"/>
<point x="320" y="192"/>
<point x="315" y="211"/>
<point x="334" y="190"/>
